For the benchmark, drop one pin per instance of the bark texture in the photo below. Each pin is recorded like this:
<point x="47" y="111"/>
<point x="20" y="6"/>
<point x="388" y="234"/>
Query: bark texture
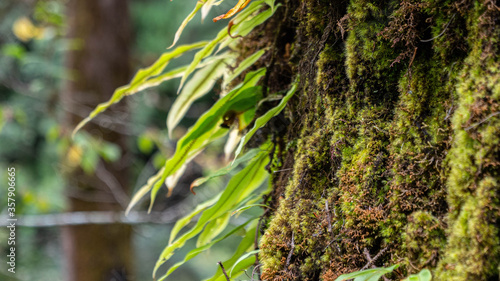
<point x="392" y="150"/>
<point x="99" y="30"/>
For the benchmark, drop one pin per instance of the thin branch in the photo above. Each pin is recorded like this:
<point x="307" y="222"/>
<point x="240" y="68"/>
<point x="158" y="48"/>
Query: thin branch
<point x="291" y="250"/>
<point x="99" y="217"/>
<point x="329" y="217"/>
<point x="482" y="121"/>
<point x="114" y="185"/>
<point x="374" y="259"/>
<point x="442" y="32"/>
<point x="224" y="271"/>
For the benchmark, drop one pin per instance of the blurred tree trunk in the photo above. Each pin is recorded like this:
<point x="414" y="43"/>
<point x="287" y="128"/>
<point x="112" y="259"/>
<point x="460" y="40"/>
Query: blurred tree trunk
<point x="99" y="63"/>
<point x="392" y="153"/>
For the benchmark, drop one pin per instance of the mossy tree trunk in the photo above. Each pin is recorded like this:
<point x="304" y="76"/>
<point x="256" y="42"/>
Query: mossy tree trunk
<point x="99" y="63"/>
<point x="392" y="151"/>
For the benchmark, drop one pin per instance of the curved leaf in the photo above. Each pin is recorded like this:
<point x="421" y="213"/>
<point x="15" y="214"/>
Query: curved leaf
<point x="144" y="190"/>
<point x="249" y="155"/>
<point x="210" y="47"/>
<point x="242" y="258"/>
<point x="139" y="79"/>
<point x="207" y="129"/>
<point x="245" y="22"/>
<point x="187" y="219"/>
<point x="178" y="33"/>
<point x="368" y="274"/>
<point x="238" y="7"/>
<point x="197" y="251"/>
<point x="246" y="243"/>
<point x="244" y="65"/>
<point x="199" y="85"/>
<point x="261" y="121"/>
<point x="238" y="188"/>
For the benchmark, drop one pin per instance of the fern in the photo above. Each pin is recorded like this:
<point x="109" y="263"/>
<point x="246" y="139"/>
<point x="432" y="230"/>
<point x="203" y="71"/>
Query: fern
<point x="211" y="62"/>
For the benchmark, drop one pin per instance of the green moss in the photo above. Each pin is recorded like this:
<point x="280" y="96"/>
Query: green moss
<point x="372" y="138"/>
<point x="473" y="250"/>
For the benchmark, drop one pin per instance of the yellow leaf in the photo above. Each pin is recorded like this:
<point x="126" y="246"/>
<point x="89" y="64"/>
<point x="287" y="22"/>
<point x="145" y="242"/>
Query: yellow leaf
<point x="24" y="30"/>
<point x="74" y="155"/>
<point x="238" y="7"/>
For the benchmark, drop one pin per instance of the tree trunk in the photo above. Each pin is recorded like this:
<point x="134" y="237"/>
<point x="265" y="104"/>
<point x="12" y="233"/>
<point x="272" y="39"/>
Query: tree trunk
<point x="99" y="30"/>
<point x="392" y="152"/>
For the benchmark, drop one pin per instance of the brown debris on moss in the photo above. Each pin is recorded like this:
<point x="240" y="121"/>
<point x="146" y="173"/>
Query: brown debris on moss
<point x="393" y="142"/>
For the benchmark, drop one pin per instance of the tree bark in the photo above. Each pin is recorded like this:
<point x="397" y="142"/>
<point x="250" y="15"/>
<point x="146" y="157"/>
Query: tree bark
<point x="392" y="153"/>
<point x="99" y="63"/>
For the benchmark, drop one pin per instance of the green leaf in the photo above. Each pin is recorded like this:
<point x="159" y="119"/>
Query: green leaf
<point x="270" y="3"/>
<point x="245" y="22"/>
<point x="203" y="132"/>
<point x="197" y="251"/>
<point x="210" y="47"/>
<point x="187" y="219"/>
<point x="238" y="188"/>
<point x="230" y="167"/>
<point x="144" y="190"/>
<point x="423" y="275"/>
<point x="244" y="65"/>
<point x="89" y="161"/>
<point x="138" y="81"/>
<point x="178" y="33"/>
<point x="145" y="143"/>
<point x="261" y="121"/>
<point x="246" y="207"/>
<point x="206" y="129"/>
<point x="212" y="229"/>
<point x="368" y="274"/>
<point x="199" y="85"/>
<point x="246" y="243"/>
<point x="242" y="258"/>
<point x="109" y="152"/>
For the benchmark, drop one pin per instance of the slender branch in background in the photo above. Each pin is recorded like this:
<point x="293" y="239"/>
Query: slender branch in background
<point x="170" y="215"/>
<point x="114" y="186"/>
<point x="84" y="218"/>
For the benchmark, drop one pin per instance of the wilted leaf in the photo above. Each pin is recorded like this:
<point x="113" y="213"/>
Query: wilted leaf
<point x="238" y="7"/>
<point x="222" y="35"/>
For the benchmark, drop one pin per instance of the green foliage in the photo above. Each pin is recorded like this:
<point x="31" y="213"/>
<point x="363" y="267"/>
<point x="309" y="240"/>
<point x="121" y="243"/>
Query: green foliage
<point x="237" y="190"/>
<point x="261" y="121"/>
<point x="237" y="105"/>
<point x="373" y="274"/>
<point x="423" y="275"/>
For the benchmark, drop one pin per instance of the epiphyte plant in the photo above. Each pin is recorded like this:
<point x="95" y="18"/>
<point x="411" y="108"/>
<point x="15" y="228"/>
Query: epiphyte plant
<point x="231" y="115"/>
